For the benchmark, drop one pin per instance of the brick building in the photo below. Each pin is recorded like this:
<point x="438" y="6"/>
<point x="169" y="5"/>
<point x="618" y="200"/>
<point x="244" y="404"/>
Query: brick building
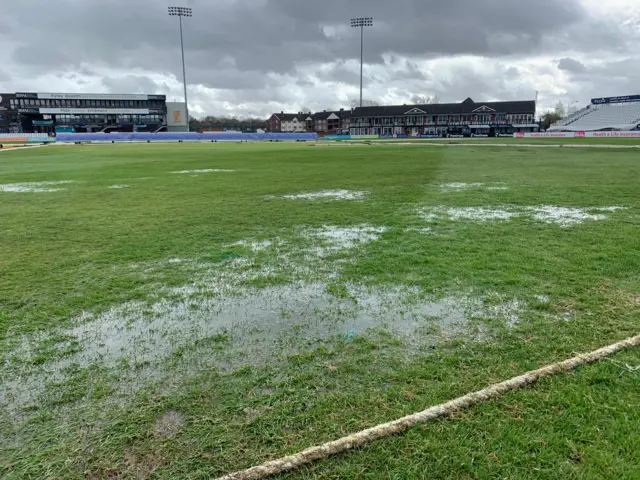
<point x="467" y="118"/>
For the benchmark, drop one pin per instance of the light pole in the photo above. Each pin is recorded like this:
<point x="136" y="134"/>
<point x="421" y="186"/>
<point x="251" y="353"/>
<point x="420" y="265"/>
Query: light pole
<point x="182" y="12"/>
<point x="361" y="22"/>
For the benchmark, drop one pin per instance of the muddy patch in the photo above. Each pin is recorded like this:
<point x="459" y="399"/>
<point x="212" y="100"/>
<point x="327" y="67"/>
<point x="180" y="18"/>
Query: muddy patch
<point x="34" y="187"/>
<point x="323" y="195"/>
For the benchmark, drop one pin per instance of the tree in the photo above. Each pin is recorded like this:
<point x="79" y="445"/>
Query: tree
<point x="211" y="122"/>
<point x="365" y="103"/>
<point x="559" y="110"/>
<point x="550" y="118"/>
<point x="425" y="100"/>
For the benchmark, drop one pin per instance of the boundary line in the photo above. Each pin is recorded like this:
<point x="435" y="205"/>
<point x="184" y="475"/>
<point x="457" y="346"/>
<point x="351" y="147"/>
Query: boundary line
<point x="344" y="444"/>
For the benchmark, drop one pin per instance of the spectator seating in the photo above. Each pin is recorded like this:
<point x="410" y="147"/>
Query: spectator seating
<point x="625" y="116"/>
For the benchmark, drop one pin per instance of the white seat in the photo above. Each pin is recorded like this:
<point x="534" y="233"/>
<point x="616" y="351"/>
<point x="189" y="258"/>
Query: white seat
<point x="605" y="116"/>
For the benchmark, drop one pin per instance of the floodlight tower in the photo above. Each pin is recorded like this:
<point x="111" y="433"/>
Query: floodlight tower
<point x="182" y="12"/>
<point x="361" y="22"/>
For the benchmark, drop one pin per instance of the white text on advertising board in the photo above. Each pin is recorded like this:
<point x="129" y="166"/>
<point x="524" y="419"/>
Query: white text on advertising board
<point x="91" y="96"/>
<point x="87" y="111"/>
<point x="630" y="134"/>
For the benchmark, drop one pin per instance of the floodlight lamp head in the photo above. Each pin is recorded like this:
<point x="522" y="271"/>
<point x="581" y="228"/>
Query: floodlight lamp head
<point x="362" y="22"/>
<point x="180" y="12"/>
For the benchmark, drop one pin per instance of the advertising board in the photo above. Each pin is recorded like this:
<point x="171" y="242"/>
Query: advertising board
<point x="613" y="134"/>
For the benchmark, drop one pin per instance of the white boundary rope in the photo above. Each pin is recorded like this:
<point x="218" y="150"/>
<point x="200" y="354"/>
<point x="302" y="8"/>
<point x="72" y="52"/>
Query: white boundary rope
<point x="292" y="462"/>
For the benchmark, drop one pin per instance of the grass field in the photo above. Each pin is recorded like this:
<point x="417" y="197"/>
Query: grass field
<point x="187" y="310"/>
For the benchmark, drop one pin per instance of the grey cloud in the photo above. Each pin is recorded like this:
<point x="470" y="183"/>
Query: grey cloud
<point x="275" y="35"/>
<point x="229" y="79"/>
<point x="132" y="84"/>
<point x="35" y="55"/>
<point x="340" y="73"/>
<point x="266" y="54"/>
<point x="404" y="69"/>
<point x="571" y="65"/>
<point x="612" y="78"/>
<point x="305" y="81"/>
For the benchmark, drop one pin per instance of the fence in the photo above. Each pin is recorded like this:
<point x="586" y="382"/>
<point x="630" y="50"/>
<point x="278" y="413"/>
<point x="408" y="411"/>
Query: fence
<point x="184" y="137"/>
<point x="25" y="138"/>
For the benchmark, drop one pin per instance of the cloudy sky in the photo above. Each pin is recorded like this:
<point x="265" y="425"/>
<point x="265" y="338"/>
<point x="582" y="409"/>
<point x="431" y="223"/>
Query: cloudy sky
<point x="254" y="57"/>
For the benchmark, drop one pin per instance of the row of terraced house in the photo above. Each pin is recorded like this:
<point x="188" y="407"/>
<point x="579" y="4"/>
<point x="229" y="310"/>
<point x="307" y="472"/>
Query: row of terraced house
<point x="467" y="118"/>
<point x="326" y="122"/>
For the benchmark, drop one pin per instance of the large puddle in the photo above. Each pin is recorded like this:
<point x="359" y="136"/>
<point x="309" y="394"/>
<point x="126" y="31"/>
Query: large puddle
<point x="221" y="320"/>
<point x="227" y="331"/>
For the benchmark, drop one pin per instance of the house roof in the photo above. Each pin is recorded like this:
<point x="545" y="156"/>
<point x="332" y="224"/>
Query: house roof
<point x="466" y="107"/>
<point x="321" y="115"/>
<point x="326" y="114"/>
<point x="288" y="117"/>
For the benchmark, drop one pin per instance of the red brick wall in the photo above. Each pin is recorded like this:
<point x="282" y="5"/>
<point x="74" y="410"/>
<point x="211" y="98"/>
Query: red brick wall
<point x="274" y="124"/>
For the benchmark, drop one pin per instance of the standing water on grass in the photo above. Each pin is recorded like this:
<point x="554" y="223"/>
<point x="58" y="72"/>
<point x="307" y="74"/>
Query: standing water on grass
<point x="174" y="336"/>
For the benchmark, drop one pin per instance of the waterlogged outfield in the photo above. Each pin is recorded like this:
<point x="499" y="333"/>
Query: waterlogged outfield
<point x="111" y="367"/>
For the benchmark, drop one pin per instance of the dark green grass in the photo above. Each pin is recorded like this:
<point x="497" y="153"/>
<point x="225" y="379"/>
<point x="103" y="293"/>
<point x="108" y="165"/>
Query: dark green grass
<point x="70" y="251"/>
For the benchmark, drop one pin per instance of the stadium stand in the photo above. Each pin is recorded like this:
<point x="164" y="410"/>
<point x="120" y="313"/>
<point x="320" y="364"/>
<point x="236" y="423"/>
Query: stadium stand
<point x="615" y="113"/>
